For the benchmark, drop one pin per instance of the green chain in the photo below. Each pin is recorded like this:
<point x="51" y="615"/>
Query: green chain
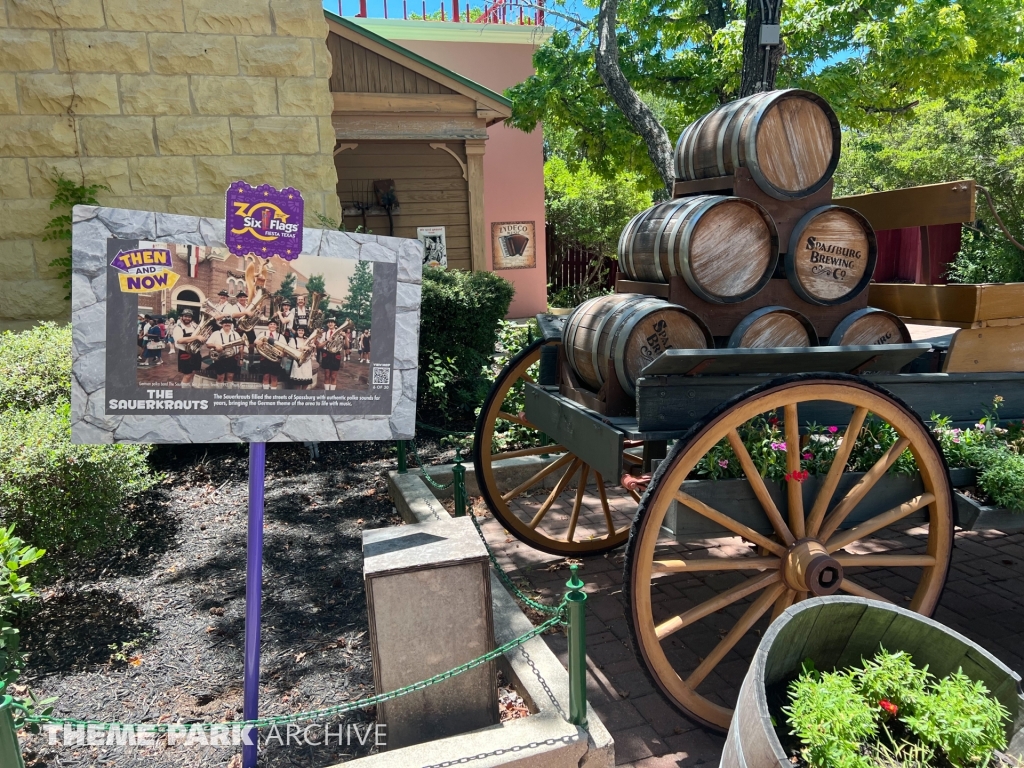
<point x="428" y="478"/>
<point x="439" y="431"/>
<point x="297" y="717"/>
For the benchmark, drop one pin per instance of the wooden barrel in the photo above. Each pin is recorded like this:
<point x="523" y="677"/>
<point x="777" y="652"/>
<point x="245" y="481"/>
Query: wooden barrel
<point x="788" y="140"/>
<point x="832" y="254"/>
<point x="838" y="632"/>
<point x="725" y="248"/>
<point x="772" y="327"/>
<point x="630" y="330"/>
<point x="869" y="326"/>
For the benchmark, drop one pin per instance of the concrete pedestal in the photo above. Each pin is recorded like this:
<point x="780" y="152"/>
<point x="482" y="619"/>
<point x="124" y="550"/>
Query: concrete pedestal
<point x="428" y="594"/>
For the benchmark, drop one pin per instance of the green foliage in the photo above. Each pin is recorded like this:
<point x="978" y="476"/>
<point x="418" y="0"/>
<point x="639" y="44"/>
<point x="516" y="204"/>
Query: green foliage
<point x="66" y="196"/>
<point x="975" y="133"/>
<point x="513" y="338"/>
<point x="62" y="496"/>
<point x="1002" y="478"/>
<point x="460" y="317"/>
<point x="872" y="59"/>
<point x="316" y="284"/>
<point x="358" y="305"/>
<point x="287" y="289"/>
<point x="830" y="718"/>
<point x="15" y="555"/>
<point x="35" y="367"/>
<point x="846" y="717"/>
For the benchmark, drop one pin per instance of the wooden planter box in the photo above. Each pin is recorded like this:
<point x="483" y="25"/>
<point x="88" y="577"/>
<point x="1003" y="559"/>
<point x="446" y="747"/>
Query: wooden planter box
<point x="736" y="498"/>
<point x="962" y="305"/>
<point x="837" y="632"/>
<point x="974" y="516"/>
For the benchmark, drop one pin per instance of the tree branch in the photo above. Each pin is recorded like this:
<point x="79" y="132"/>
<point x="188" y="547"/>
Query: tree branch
<point x="890" y="110"/>
<point x="639" y="115"/>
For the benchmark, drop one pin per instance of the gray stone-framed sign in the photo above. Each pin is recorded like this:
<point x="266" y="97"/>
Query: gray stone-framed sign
<point x="176" y="340"/>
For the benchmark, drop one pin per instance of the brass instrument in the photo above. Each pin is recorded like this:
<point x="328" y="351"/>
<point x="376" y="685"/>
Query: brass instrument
<point x="207" y="325"/>
<point x="230" y="350"/>
<point x="337" y="342"/>
<point x="315" y="318"/>
<point x="252" y="312"/>
<point x="307" y="348"/>
<point x="272" y="352"/>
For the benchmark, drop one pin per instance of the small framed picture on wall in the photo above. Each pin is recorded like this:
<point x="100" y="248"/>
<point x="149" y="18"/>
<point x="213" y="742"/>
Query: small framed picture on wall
<point x="435" y="250"/>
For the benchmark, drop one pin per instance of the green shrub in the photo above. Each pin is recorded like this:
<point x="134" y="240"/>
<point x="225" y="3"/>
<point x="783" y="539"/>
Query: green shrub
<point x="461" y="313"/>
<point x="35" y="366"/>
<point x="830" y="718"/>
<point x="1002" y="478"/>
<point x="64" y="496"/>
<point x="14" y="589"/>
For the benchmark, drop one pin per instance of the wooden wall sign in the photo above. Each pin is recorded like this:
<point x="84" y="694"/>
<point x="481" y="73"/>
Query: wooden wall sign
<point x="514" y="244"/>
<point x="435" y="248"/>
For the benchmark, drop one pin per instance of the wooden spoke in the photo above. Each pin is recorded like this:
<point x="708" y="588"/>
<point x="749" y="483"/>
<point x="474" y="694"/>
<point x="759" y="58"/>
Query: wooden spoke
<point x="759" y="488"/>
<point x="735" y="526"/>
<point x="785" y="600"/>
<point x="555" y="492"/>
<point x="746" y="621"/>
<point x="520" y="420"/>
<point x="717" y="603"/>
<point x="794" y="489"/>
<point x="835" y="472"/>
<point x="527" y="377"/>
<point x="885" y="561"/>
<point x="556" y="464"/>
<point x="861" y="489"/>
<point x="604" y="503"/>
<point x="537" y="450"/>
<point x="715" y="564"/>
<point x="878" y="522"/>
<point x="856" y="589"/>
<point x="578" y="503"/>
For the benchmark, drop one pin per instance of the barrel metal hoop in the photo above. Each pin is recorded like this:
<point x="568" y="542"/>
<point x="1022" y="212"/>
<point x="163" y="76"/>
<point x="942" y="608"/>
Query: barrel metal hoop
<point x="621" y="331"/>
<point x="673" y="269"/>
<point x="753" y="165"/>
<point x="836" y="339"/>
<point x="675" y="205"/>
<point x="595" y="348"/>
<point x="751" y="104"/>
<point x="571" y="327"/>
<point x="794" y="242"/>
<point x="693" y="145"/>
<point x="676" y="154"/>
<point x="641" y="219"/>
<point x="684" y="257"/>
<point x="723" y="129"/>
<point x="737" y="335"/>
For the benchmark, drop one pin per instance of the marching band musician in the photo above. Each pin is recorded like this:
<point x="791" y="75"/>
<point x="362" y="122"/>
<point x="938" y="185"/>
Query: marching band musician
<point x="301" y="314"/>
<point x="220" y="308"/>
<point x="271" y="370"/>
<point x="243" y="303"/>
<point x="226" y="366"/>
<point x="330" y="362"/>
<point x="188" y="363"/>
<point x="301" y="374"/>
<point x="285" y="318"/>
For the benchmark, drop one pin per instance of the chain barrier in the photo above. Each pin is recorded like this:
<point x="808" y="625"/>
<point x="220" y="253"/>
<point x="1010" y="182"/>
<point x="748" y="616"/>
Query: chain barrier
<point x="430" y="481"/>
<point x="297" y="717"/>
<point x="439" y="431"/>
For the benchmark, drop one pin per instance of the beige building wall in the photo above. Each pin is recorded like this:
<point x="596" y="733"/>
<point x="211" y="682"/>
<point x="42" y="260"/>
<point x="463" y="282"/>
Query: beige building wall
<point x="164" y="101"/>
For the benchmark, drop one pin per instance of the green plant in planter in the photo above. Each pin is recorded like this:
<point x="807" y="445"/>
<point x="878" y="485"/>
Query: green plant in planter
<point x="890" y="712"/>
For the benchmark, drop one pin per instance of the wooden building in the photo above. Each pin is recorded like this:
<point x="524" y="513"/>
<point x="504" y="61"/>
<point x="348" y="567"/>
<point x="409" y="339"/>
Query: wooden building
<point x="401" y="118"/>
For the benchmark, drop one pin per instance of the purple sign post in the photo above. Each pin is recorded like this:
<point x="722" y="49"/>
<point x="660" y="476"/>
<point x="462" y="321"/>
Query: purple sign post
<point x="265" y="222"/>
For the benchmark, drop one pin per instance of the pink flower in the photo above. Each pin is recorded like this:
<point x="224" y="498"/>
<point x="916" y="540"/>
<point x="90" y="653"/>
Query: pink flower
<point x="808" y="455"/>
<point x="889" y="707"/>
<point x="778" y="446"/>
<point x="833" y="430"/>
<point x="723" y="463"/>
<point x="798" y="476"/>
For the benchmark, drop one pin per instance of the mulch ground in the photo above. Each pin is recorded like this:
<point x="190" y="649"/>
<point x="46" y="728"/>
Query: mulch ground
<point x="154" y="631"/>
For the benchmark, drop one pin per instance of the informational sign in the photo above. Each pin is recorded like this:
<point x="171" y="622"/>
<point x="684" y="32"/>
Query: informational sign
<point x="180" y="338"/>
<point x="435" y="249"/>
<point x="264" y="221"/>
<point x="514" y="245"/>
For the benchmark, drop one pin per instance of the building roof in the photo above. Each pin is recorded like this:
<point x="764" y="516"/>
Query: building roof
<point x="416" y="29"/>
<point x="454" y="80"/>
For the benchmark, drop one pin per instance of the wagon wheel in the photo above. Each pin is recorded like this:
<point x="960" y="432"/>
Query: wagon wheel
<point x="542" y="494"/>
<point x="696" y="647"/>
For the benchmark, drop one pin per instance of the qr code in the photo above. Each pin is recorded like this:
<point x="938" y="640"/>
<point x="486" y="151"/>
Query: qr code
<point x="382" y="375"/>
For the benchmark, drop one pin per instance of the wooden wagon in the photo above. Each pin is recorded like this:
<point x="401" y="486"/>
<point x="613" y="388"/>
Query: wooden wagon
<point x="708" y="563"/>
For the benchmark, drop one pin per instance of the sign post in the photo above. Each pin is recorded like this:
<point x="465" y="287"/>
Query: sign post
<point x="253" y="600"/>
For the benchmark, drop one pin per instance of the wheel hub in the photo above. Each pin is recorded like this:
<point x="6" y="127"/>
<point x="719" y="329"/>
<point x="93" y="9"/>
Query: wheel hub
<point x="808" y="567"/>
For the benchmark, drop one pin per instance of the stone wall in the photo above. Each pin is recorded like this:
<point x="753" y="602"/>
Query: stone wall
<point x="165" y="102"/>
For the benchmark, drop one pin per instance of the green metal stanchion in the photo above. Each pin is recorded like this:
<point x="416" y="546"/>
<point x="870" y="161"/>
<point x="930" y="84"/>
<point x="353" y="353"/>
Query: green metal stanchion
<point x="10" y="752"/>
<point x="459" y="477"/>
<point x="577" y="605"/>
<point x="403" y="466"/>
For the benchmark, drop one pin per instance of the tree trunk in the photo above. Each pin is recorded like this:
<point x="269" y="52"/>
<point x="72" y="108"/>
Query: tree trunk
<point x="756" y="77"/>
<point x="639" y="115"/>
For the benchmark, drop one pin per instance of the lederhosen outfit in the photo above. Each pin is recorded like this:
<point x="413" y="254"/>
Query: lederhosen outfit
<point x="225" y="363"/>
<point x="188" y="362"/>
<point x="285" y="322"/>
<point x="301" y="318"/>
<point x="249" y="335"/>
<point x="330" y="361"/>
<point x="269" y="367"/>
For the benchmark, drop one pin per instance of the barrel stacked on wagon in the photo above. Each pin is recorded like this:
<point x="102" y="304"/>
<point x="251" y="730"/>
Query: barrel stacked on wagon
<point x="750" y="246"/>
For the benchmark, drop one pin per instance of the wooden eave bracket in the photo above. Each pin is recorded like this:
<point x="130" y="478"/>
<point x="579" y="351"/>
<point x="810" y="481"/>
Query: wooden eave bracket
<point x="451" y="152"/>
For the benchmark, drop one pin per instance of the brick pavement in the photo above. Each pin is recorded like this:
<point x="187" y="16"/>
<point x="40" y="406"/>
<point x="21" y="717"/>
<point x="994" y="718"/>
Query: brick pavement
<point x="983" y="599"/>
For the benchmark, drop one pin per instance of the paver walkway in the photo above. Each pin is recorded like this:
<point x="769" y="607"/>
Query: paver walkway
<point x="983" y="599"/>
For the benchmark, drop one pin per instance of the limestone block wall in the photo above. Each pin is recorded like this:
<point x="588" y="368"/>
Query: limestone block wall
<point x="165" y="102"/>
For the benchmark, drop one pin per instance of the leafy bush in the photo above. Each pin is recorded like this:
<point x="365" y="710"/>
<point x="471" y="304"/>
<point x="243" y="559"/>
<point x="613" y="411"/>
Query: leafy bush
<point x="35" y="366"/>
<point x="891" y="708"/>
<point x="460" y="317"/>
<point x="14" y="589"/>
<point x="64" y="496"/>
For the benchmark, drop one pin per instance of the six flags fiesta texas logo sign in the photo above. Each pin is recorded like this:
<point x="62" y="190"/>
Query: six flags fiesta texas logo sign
<point x="264" y="221"/>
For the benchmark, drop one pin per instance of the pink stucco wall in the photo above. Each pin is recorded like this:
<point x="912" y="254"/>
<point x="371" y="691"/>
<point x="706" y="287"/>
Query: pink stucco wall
<point x="513" y="160"/>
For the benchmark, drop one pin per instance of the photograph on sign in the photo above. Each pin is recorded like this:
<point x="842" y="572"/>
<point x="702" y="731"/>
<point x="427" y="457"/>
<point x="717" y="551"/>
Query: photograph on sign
<point x="182" y="329"/>
<point x="250" y="323"/>
<point x="435" y="249"/>
<point x="514" y="244"/>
